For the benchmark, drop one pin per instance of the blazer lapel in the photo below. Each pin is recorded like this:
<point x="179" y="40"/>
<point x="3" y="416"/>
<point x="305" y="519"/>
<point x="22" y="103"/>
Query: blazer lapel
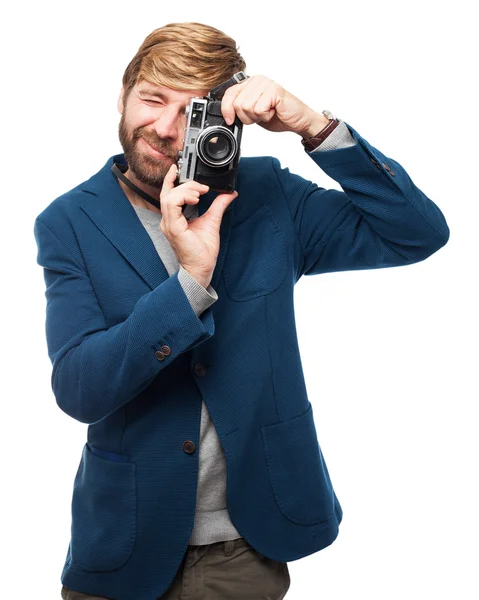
<point x="115" y="217"/>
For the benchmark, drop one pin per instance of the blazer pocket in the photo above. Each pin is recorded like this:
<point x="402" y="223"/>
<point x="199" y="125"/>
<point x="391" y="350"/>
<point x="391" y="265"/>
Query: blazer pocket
<point x="103" y="511"/>
<point x="298" y="474"/>
<point x="256" y="261"/>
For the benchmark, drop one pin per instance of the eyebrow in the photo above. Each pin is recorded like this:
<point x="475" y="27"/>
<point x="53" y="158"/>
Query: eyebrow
<point x="150" y="92"/>
<point x="153" y="93"/>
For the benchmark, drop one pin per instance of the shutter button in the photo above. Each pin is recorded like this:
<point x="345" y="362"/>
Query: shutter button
<point x="199" y="370"/>
<point x="189" y="447"/>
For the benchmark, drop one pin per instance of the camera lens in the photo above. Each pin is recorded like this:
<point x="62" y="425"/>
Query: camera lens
<point x="217" y="147"/>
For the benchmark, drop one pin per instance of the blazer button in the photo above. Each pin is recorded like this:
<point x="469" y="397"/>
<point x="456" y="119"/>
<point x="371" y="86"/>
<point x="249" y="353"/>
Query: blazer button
<point x="189" y="447"/>
<point x="159" y="355"/>
<point x="199" y="370"/>
<point x="388" y="168"/>
<point x="166" y="350"/>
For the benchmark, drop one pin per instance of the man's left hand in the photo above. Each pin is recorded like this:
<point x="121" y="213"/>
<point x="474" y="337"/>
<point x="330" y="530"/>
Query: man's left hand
<point x="263" y="101"/>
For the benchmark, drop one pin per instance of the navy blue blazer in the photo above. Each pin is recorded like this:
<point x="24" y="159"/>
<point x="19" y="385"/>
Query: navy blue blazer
<point x="111" y="306"/>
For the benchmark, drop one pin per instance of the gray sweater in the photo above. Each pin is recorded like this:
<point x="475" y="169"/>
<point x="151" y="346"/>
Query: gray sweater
<point x="212" y="521"/>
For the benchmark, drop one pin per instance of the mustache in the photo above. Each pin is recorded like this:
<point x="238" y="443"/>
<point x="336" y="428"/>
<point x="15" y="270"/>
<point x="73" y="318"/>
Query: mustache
<point x="154" y="141"/>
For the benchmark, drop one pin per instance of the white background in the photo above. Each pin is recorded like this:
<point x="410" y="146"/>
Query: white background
<point x="390" y="356"/>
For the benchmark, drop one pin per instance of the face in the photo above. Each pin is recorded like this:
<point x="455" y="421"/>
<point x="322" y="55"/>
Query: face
<point x="152" y="129"/>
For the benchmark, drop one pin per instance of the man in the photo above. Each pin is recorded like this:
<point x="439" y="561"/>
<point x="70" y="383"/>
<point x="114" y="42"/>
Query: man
<point x="172" y="333"/>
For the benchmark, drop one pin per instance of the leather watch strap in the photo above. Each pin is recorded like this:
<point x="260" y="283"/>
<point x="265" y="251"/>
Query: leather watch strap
<point x="313" y="142"/>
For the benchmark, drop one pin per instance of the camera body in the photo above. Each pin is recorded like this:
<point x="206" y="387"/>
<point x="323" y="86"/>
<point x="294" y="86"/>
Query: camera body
<point x="211" y="150"/>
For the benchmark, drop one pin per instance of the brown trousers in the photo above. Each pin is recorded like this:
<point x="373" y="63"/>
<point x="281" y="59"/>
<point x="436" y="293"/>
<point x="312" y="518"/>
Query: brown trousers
<point x="230" y="569"/>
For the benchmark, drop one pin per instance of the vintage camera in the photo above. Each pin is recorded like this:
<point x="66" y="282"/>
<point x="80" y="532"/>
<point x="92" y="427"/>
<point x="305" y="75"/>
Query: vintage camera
<point x="211" y="150"/>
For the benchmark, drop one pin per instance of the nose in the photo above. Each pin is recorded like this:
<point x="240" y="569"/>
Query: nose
<point x="169" y="125"/>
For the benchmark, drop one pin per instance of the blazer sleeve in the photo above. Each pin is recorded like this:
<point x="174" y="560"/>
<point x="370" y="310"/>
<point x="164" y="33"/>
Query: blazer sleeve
<point x="380" y="219"/>
<point x="98" y="369"/>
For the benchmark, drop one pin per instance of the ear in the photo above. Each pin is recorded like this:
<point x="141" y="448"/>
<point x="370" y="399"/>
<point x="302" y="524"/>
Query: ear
<point x="120" y="105"/>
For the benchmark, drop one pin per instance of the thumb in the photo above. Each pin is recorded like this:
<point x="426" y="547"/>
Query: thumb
<point x="170" y="178"/>
<point x="220" y="204"/>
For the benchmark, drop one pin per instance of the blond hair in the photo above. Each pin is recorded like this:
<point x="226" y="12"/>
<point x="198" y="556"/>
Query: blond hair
<point x="185" y="57"/>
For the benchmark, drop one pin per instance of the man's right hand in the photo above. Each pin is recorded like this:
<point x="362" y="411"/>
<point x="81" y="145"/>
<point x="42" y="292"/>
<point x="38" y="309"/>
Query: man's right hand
<point x="196" y="243"/>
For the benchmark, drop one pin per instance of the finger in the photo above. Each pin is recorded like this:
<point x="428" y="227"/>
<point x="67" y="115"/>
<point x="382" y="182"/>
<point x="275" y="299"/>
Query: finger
<point x="192" y="185"/>
<point x="240" y="97"/>
<point x="254" y="106"/>
<point x="201" y="188"/>
<point x="169" y="179"/>
<point x="188" y="192"/>
<point x="228" y="99"/>
<point x="266" y="102"/>
<point x="191" y="199"/>
<point x="171" y="204"/>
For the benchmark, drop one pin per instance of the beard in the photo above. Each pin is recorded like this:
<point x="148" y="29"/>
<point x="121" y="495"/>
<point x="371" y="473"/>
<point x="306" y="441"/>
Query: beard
<point x="145" y="168"/>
